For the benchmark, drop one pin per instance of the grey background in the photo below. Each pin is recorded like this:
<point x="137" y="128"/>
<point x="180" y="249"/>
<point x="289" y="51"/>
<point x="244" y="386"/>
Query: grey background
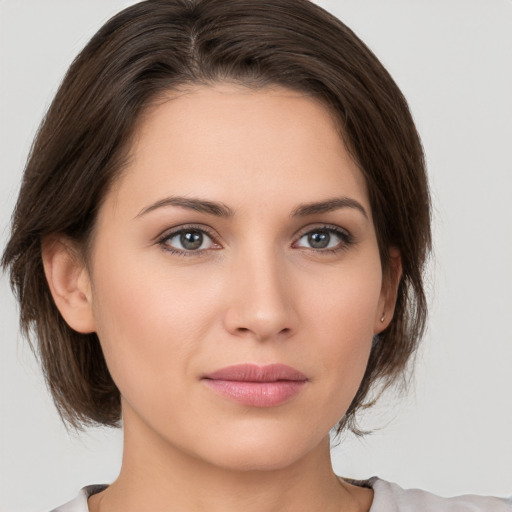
<point x="452" y="434"/>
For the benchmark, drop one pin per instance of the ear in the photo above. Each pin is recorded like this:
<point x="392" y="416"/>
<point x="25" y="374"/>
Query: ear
<point x="389" y="291"/>
<point x="69" y="282"/>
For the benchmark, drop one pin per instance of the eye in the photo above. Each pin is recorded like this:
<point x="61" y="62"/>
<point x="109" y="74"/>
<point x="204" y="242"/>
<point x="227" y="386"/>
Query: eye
<point x="324" y="238"/>
<point x="187" y="240"/>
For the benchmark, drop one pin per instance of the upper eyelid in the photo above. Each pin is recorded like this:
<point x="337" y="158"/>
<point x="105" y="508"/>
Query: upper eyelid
<point x="328" y="227"/>
<point x="170" y="232"/>
<point x="210" y="231"/>
<point x="217" y="239"/>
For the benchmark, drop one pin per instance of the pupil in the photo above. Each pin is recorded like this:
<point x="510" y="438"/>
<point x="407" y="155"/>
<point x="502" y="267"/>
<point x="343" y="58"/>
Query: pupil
<point x="191" y="240"/>
<point x="319" y="239"/>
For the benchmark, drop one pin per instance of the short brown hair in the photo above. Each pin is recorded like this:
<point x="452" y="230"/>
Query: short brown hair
<point x="159" y="45"/>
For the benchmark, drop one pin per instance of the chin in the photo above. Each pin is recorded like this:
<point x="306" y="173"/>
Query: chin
<point x="261" y="449"/>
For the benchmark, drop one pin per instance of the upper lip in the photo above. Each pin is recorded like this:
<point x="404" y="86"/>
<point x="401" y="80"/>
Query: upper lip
<point x="256" y="373"/>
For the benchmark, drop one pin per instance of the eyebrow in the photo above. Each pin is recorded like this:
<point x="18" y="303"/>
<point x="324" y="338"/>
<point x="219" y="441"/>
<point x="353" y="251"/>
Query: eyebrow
<point x="222" y="210"/>
<point x="328" y="206"/>
<point x="198" y="205"/>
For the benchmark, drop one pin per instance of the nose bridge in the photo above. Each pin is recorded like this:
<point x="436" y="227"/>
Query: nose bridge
<point x="260" y="303"/>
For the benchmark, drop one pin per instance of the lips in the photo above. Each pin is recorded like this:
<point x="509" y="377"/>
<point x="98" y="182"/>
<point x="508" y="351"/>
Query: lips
<point x="257" y="386"/>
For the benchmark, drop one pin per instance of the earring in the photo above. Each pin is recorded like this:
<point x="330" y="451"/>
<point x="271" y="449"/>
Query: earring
<point x="382" y="318"/>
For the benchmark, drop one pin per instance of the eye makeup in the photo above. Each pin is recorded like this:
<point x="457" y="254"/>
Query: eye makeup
<point x="325" y="238"/>
<point x="197" y="240"/>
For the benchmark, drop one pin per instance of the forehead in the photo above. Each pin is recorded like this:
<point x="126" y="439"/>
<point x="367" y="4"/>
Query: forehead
<point x="231" y="143"/>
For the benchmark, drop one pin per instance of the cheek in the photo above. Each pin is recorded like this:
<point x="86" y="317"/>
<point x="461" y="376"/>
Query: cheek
<point x="155" y="324"/>
<point x="342" y="319"/>
<point x="150" y="322"/>
<point x="344" y="302"/>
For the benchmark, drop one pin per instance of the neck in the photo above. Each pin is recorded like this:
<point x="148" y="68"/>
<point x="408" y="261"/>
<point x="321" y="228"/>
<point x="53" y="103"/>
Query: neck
<point x="157" y="476"/>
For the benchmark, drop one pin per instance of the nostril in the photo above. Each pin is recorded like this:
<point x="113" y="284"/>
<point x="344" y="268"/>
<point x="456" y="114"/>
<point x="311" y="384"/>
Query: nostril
<point x="245" y="330"/>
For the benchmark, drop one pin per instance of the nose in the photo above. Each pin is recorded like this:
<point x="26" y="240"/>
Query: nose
<point x="260" y="299"/>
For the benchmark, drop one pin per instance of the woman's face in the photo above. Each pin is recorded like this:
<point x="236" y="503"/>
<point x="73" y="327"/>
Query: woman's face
<point x="239" y="234"/>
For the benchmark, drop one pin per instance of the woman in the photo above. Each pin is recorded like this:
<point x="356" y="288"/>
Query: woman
<point x="220" y="237"/>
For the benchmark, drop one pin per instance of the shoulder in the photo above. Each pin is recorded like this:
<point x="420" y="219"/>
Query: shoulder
<point x="79" y="503"/>
<point x="389" y="497"/>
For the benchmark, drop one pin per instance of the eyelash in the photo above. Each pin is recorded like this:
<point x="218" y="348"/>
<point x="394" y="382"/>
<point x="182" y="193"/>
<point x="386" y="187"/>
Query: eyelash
<point x="162" y="241"/>
<point x="346" y="240"/>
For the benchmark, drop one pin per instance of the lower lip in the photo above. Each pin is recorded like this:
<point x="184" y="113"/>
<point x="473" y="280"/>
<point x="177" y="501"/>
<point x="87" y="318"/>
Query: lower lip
<point x="257" y="394"/>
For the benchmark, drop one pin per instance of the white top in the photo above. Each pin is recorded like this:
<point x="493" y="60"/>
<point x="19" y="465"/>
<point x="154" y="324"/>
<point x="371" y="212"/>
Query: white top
<point x="388" y="497"/>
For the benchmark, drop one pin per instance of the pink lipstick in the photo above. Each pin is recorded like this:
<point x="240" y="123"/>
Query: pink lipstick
<point x="257" y="386"/>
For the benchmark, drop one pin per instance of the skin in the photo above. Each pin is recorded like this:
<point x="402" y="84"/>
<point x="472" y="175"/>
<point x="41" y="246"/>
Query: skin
<point x="256" y="291"/>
